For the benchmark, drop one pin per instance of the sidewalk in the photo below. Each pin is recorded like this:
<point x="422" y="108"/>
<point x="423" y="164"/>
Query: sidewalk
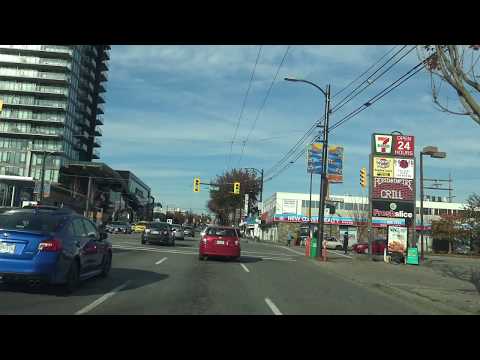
<point x="443" y="287"/>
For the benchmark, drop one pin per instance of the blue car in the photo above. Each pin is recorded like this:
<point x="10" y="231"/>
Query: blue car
<point x="48" y="245"/>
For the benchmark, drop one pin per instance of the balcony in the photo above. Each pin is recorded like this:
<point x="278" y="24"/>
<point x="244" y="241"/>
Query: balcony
<point x="83" y="122"/>
<point x="53" y="64"/>
<point x="103" y="76"/>
<point x="100" y="99"/>
<point x="40" y="50"/>
<point x="101" y="88"/>
<point x="41" y="105"/>
<point x="98" y="131"/>
<point x="47" y="90"/>
<point x="15" y="74"/>
<point x="86" y="84"/>
<point x="97" y="143"/>
<point x="104" y="65"/>
<point x="100" y="109"/>
<point x="99" y="120"/>
<point x="95" y="154"/>
<point x="13" y="130"/>
<point x="36" y="119"/>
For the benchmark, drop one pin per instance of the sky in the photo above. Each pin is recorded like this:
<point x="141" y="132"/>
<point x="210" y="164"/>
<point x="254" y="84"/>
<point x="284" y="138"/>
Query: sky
<point x="171" y="115"/>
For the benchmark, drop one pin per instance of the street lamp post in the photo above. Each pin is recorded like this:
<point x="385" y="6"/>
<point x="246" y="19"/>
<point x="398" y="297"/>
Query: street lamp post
<point x="324" y="179"/>
<point x="433" y="152"/>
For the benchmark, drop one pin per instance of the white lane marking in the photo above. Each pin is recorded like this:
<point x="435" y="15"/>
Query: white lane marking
<point x="264" y="253"/>
<point x="273" y="307"/>
<point x="245" y="268"/>
<point x="273" y="258"/>
<point x="160" y="261"/>
<point x="154" y="250"/>
<point x="337" y="253"/>
<point x="101" y="299"/>
<point x="295" y="251"/>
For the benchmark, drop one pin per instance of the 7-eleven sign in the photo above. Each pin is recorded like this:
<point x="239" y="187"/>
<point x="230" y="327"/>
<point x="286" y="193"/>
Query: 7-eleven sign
<point x="383" y="144"/>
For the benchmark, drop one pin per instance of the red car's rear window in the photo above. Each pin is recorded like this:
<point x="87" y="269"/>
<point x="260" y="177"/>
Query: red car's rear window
<point x="221" y="232"/>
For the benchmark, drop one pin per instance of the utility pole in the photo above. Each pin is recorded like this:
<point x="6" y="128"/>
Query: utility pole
<point x="324" y="179"/>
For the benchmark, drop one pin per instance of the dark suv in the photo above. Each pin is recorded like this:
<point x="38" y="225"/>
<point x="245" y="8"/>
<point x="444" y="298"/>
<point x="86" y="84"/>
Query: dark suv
<point x="51" y="245"/>
<point x="158" y="232"/>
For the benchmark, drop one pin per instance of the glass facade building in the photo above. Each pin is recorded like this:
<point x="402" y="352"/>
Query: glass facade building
<point x="53" y="98"/>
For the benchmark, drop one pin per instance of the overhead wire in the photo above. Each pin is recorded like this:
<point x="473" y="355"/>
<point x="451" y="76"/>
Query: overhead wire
<point x="260" y="109"/>
<point x="349" y="97"/>
<point x="244" y="103"/>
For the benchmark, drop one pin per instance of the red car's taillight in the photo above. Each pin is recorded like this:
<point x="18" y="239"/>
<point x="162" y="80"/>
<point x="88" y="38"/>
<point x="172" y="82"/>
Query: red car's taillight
<point x="53" y="245"/>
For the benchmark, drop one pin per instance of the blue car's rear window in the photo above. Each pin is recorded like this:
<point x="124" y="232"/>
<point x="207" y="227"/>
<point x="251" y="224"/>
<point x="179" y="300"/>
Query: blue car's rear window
<point x="30" y="221"/>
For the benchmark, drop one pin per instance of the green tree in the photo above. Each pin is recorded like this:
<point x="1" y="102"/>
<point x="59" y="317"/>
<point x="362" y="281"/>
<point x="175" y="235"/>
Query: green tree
<point x="449" y="228"/>
<point x="223" y="203"/>
<point x="471" y="220"/>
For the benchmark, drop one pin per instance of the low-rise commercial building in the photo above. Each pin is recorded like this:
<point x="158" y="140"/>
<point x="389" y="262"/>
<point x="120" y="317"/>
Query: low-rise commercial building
<point x="283" y="212"/>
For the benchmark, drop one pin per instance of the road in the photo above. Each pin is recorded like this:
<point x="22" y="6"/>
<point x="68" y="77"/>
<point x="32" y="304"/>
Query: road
<point x="152" y="279"/>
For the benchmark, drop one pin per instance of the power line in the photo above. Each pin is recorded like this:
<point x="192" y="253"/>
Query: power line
<point x="378" y="96"/>
<point x="244" y="103"/>
<point x="369" y="82"/>
<point x="366" y="71"/>
<point x="361" y="108"/>
<point x="264" y="102"/>
<point x="293" y="149"/>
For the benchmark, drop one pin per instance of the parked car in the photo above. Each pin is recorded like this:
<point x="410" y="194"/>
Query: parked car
<point x="334" y="244"/>
<point x="51" y="246"/>
<point x="378" y="247"/>
<point x="177" y="232"/>
<point x="158" y="232"/>
<point x="140" y="226"/>
<point x="220" y="241"/>
<point x="119" y="227"/>
<point x="189" y="231"/>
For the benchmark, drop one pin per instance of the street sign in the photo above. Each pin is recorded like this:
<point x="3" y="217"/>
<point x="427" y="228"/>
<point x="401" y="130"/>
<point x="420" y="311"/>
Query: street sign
<point x="1" y="105"/>
<point x="245" y="207"/>
<point x="335" y="161"/>
<point x="170" y="221"/>
<point x="412" y="256"/>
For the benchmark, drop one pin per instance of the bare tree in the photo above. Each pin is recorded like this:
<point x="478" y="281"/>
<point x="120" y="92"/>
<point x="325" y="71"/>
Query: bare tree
<point x="458" y="66"/>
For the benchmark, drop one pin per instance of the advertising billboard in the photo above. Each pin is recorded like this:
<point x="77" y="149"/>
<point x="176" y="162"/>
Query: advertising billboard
<point x="382" y="222"/>
<point x="397" y="239"/>
<point x="404" y="146"/>
<point x="393" y="189"/>
<point x="394" y="209"/>
<point x="382" y="166"/>
<point x="403" y="168"/>
<point x="335" y="161"/>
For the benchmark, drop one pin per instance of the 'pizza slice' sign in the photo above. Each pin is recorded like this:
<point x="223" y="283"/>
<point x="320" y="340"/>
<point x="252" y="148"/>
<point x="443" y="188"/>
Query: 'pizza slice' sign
<point x="404" y="146"/>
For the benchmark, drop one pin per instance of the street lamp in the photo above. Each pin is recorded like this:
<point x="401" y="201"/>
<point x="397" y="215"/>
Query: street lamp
<point x="324" y="179"/>
<point x="433" y="152"/>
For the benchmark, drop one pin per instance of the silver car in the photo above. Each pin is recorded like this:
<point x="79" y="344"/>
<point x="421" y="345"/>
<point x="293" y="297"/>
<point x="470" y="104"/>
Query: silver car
<point x="177" y="231"/>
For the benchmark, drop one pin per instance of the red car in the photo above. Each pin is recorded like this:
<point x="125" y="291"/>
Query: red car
<point x="220" y="241"/>
<point x="378" y="246"/>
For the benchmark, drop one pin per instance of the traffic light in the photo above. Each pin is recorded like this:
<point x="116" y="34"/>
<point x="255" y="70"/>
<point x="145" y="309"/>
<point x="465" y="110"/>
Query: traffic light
<point x="196" y="184"/>
<point x="363" y="177"/>
<point x="236" y="188"/>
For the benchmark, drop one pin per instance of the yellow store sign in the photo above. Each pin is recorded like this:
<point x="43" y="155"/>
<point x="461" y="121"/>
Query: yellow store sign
<point x="383" y="167"/>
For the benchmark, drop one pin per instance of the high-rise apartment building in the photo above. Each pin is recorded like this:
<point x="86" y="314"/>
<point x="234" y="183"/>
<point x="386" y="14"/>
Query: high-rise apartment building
<point x="53" y="98"/>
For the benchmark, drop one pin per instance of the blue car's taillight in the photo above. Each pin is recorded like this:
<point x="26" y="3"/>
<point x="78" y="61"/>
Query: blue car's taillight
<point x="53" y="245"/>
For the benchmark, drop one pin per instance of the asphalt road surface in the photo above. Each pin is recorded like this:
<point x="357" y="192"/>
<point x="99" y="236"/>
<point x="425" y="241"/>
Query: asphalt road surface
<point x="154" y="279"/>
